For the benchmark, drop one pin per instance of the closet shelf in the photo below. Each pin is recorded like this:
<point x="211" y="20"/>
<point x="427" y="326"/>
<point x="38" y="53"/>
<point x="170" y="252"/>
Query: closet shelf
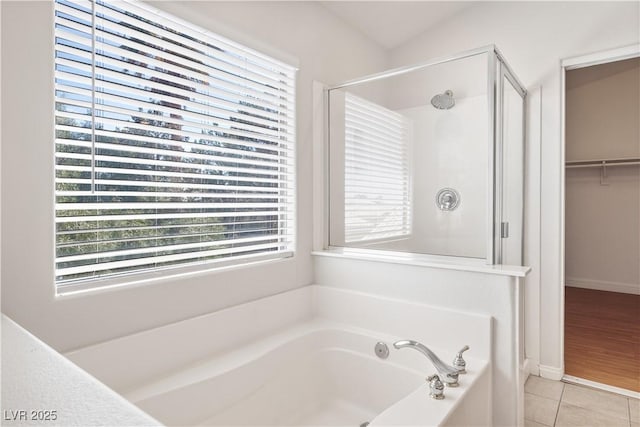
<point x="603" y="162"/>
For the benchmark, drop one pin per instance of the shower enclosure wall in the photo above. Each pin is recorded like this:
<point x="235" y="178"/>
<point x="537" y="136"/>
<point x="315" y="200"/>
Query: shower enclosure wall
<point x="429" y="159"/>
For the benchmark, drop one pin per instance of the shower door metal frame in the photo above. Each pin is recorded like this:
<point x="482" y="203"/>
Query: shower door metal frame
<point x="498" y="71"/>
<point x="407" y="69"/>
<point x="496" y="64"/>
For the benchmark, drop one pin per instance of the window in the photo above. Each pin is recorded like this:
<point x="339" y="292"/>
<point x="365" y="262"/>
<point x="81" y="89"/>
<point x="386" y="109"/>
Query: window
<point x="174" y="146"/>
<point x="377" y="186"/>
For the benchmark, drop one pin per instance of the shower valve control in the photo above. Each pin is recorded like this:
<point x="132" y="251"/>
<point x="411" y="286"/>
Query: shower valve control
<point x="447" y="199"/>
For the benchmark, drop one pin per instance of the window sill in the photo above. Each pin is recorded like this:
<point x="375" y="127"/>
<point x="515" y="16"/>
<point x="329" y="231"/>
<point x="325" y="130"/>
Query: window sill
<point x="422" y="260"/>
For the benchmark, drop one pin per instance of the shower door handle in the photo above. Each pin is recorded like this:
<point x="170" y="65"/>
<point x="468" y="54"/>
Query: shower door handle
<point x="504" y="230"/>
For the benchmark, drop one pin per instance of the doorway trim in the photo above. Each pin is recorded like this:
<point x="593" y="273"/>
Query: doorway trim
<point x="597" y="58"/>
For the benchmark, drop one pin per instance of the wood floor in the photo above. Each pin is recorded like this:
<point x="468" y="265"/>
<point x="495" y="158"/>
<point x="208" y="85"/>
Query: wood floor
<point x="602" y="337"/>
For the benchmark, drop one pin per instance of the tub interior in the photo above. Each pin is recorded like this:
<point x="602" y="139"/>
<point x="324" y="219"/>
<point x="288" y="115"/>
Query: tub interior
<point x="324" y="374"/>
<point x="331" y="387"/>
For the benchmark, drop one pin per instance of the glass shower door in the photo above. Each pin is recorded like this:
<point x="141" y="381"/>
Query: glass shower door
<point x="511" y="227"/>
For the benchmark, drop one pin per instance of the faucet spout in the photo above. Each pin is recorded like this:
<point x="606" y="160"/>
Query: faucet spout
<point x="449" y="373"/>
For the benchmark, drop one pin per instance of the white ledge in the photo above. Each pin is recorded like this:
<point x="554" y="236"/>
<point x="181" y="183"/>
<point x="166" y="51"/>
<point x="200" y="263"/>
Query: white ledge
<point x="423" y="260"/>
<point x="41" y="387"/>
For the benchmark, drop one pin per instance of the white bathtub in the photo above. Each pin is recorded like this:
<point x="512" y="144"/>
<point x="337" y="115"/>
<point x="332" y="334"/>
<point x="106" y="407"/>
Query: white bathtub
<point x="320" y="369"/>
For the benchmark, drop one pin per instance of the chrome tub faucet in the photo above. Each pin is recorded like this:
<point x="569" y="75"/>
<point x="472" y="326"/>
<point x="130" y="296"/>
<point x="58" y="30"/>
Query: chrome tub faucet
<point x="448" y="374"/>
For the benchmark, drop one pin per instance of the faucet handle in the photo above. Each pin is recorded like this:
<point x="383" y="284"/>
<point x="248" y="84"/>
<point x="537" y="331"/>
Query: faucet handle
<point x="436" y="388"/>
<point x="458" y="361"/>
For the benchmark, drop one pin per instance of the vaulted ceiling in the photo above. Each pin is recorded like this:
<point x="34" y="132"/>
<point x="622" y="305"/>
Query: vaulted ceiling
<point x="392" y="23"/>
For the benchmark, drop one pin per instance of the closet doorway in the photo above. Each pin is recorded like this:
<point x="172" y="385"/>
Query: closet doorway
<point x="602" y="224"/>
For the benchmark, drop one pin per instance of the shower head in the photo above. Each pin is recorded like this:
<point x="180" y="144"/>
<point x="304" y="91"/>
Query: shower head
<point x="443" y="101"/>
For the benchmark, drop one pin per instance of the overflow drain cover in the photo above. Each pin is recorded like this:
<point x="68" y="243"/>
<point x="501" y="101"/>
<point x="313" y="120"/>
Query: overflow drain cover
<point x="382" y="351"/>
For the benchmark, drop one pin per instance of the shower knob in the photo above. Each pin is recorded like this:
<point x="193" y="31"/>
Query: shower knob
<point x="447" y="199"/>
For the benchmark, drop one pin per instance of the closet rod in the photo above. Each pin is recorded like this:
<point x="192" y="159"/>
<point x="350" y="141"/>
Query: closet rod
<point x="603" y="162"/>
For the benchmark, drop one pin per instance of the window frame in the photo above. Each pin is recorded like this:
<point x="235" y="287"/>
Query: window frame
<point x="198" y="266"/>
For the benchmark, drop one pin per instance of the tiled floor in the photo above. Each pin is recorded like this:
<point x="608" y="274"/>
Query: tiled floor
<point x="556" y="404"/>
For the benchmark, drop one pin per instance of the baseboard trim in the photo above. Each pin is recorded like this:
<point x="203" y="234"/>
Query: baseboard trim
<point x="598" y="285"/>
<point x="532" y="366"/>
<point x="551" y="372"/>
<point x="525" y="370"/>
<point x="605" y="387"/>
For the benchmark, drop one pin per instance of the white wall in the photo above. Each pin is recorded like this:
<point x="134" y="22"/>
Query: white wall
<point x="325" y="49"/>
<point x="534" y="37"/>
<point x="602" y="229"/>
<point x="602" y="111"/>
<point x="450" y="150"/>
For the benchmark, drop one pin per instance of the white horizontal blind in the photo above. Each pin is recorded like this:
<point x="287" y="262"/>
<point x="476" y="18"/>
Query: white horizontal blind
<point x="377" y="186"/>
<point x="173" y="145"/>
